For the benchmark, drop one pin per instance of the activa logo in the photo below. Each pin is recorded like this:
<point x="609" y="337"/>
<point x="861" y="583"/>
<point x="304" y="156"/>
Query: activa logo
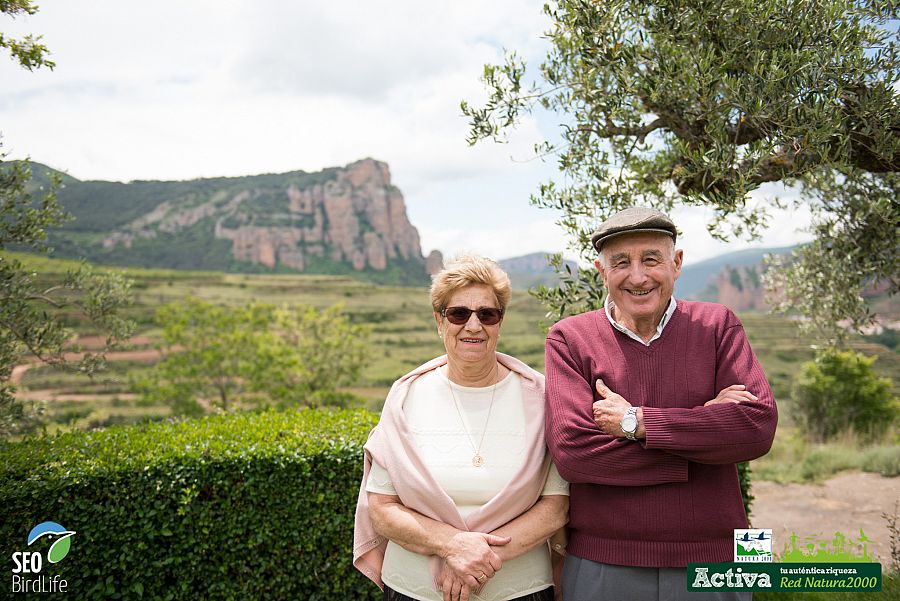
<point x="32" y="562"/>
<point x="731" y="579"/>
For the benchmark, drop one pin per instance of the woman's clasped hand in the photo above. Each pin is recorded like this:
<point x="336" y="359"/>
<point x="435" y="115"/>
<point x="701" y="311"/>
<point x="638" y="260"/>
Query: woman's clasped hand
<point x="469" y="563"/>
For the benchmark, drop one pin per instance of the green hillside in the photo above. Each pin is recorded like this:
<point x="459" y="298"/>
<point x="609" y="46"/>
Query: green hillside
<point x="101" y="206"/>
<point x="175" y="224"/>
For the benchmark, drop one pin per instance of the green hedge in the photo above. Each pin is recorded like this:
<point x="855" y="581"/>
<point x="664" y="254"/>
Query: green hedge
<point x="241" y="506"/>
<point x="245" y="506"/>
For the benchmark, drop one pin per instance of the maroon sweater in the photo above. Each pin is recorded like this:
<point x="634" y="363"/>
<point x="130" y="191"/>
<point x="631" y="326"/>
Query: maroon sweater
<point x="674" y="497"/>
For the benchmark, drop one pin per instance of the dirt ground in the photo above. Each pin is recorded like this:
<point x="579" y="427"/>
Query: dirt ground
<point x="846" y="503"/>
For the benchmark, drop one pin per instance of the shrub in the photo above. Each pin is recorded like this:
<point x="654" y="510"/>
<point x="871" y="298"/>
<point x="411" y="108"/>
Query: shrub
<point x="838" y="391"/>
<point x="242" y="506"/>
<point x="823" y="462"/>
<point x="256" y="354"/>
<point x="884" y="460"/>
<point x="794" y="459"/>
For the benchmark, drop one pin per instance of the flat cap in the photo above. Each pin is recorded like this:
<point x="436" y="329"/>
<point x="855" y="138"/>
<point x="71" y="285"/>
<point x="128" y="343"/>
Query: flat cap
<point x="631" y="220"/>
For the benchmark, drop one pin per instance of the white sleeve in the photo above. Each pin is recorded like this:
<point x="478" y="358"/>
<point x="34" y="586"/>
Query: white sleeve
<point x="379" y="481"/>
<point x="555" y="485"/>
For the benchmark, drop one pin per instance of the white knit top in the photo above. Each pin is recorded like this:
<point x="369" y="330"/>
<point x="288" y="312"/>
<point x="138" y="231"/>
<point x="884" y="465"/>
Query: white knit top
<point x="441" y="438"/>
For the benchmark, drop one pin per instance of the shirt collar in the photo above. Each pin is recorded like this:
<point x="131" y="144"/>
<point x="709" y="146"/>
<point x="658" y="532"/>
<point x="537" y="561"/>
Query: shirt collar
<point x="609" y="306"/>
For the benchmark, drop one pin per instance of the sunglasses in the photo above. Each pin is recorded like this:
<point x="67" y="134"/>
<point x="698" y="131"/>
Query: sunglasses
<point x="488" y="316"/>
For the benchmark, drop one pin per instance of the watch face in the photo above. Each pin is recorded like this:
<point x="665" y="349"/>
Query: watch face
<point x="629" y="423"/>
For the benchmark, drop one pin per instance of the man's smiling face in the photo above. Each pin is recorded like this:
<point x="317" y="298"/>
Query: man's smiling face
<point x="639" y="271"/>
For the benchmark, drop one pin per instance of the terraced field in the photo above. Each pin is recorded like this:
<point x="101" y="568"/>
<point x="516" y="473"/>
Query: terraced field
<point x="403" y="336"/>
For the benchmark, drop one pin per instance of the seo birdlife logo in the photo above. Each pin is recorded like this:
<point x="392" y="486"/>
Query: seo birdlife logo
<point x="27" y="565"/>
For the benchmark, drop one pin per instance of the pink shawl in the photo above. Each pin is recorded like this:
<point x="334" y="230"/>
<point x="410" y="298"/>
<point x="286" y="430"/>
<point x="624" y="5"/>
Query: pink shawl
<point x="390" y="444"/>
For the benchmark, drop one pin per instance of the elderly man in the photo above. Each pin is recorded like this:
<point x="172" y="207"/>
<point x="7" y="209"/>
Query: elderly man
<point x="650" y="404"/>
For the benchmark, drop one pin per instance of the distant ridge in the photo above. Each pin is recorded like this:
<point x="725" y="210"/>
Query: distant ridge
<point x="342" y="220"/>
<point x="528" y="271"/>
<point x="696" y="278"/>
<point x="698" y="281"/>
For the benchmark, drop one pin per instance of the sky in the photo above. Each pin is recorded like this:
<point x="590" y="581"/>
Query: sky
<point x="170" y="90"/>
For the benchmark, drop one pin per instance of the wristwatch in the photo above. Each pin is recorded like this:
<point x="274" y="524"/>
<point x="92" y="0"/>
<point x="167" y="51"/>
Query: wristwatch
<point x="629" y="423"/>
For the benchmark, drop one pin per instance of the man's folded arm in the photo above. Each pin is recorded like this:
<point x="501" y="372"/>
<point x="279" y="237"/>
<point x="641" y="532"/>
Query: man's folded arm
<point x="724" y="432"/>
<point x="581" y="451"/>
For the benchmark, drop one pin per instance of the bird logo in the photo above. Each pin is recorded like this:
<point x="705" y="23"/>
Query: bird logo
<point x="60" y="547"/>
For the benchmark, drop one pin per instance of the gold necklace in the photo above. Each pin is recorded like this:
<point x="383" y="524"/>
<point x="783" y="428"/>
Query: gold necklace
<point x="477" y="459"/>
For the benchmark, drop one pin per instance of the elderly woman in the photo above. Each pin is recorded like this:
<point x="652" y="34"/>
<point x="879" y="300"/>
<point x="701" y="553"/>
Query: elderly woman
<point x="459" y="496"/>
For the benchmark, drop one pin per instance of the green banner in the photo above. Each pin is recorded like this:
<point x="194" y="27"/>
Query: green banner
<point x="801" y="577"/>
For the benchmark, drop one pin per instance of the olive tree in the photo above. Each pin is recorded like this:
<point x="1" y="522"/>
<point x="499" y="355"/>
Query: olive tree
<point x="28" y="51"/>
<point x="32" y="319"/>
<point x="699" y="103"/>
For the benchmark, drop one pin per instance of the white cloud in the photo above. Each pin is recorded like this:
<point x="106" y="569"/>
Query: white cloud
<point x="497" y="243"/>
<point x="180" y="90"/>
<point x="786" y="227"/>
<point x="359" y="49"/>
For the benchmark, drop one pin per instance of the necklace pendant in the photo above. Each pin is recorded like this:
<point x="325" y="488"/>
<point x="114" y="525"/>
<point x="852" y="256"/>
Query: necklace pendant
<point x="477" y="460"/>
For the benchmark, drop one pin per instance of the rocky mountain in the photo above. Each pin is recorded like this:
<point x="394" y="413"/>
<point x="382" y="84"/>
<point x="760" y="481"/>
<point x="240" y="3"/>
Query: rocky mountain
<point x="733" y="279"/>
<point x="739" y="288"/>
<point x="531" y="270"/>
<point x="343" y="220"/>
<point x="737" y="283"/>
<point x="703" y="280"/>
<point x="434" y="262"/>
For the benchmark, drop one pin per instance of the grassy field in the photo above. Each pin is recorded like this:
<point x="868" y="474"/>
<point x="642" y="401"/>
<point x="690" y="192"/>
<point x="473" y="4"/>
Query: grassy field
<point x="403" y="336"/>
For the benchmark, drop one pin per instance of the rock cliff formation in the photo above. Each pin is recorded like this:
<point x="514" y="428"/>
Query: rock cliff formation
<point x="740" y="288"/>
<point x="351" y="215"/>
<point x="357" y="218"/>
<point x="434" y="262"/>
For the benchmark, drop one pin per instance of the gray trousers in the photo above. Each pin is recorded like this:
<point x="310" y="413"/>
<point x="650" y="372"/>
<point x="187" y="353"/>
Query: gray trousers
<point x="585" y="580"/>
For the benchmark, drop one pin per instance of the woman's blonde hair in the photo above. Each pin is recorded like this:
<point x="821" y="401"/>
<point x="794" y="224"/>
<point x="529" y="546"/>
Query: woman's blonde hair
<point x="466" y="270"/>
